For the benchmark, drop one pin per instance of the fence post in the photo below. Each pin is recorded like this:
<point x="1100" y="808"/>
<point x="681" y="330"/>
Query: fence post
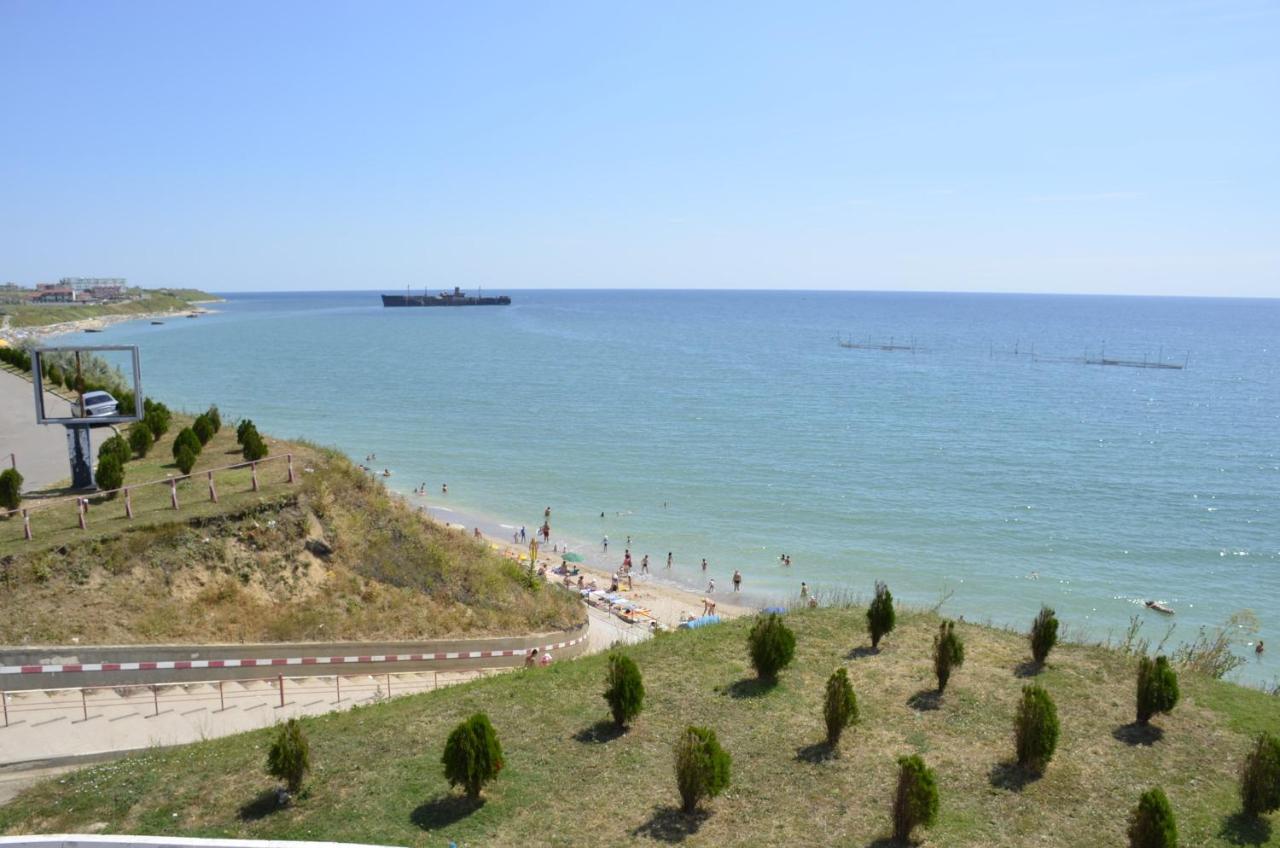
<point x="128" y="503"/>
<point x="222" y="702"/>
<point x="280" y="677"/>
<point x="84" y="705"/>
<point x="253" y="466"/>
<point x="173" y="491"/>
<point x="26" y="526"/>
<point x="213" y="493"/>
<point x="81" y="506"/>
<point x="337" y="682"/>
<point x="155" y="698"/>
<point x="388" y="684"/>
<point x="4" y="697"/>
<point x="291" y="479"/>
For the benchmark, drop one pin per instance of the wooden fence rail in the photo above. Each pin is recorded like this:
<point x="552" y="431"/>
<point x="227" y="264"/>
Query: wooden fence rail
<point x="81" y="502"/>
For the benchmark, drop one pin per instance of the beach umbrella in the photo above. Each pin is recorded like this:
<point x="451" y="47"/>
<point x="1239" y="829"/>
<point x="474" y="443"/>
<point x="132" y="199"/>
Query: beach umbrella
<point x="572" y="557"/>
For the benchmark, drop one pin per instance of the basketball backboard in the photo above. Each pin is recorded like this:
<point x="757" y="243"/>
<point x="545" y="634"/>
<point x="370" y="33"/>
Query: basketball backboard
<point x="91" y="385"/>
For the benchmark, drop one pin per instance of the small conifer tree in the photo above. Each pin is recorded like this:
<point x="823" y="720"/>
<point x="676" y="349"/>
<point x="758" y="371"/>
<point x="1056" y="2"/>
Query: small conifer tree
<point x="186" y="459"/>
<point x="118" y="447"/>
<point x="1157" y="688"/>
<point x="1036" y="729"/>
<point x="880" y="615"/>
<point x="472" y="756"/>
<point x="840" y="706"/>
<point x="948" y="653"/>
<point x="1260" y="776"/>
<point x="702" y="766"/>
<point x="187" y="438"/>
<point x="255" y="447"/>
<point x="140" y="439"/>
<point x="624" y="690"/>
<point x="10" y="486"/>
<point x="1151" y="824"/>
<point x="110" y="473"/>
<point x="203" y="428"/>
<point x="1044" y="635"/>
<point x="915" y="803"/>
<point x="772" y="645"/>
<point x="214" y="417"/>
<point x="242" y="429"/>
<point x="289" y="757"/>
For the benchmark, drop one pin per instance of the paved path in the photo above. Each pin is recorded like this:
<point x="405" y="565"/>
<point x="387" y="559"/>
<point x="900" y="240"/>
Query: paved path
<point x="41" y="451"/>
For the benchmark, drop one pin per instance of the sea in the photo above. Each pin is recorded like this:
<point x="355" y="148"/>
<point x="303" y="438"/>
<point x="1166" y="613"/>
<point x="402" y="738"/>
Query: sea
<point x="968" y="451"/>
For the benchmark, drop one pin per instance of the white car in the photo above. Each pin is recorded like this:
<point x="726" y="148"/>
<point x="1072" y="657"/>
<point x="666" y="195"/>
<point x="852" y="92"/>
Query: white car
<point x="97" y="405"/>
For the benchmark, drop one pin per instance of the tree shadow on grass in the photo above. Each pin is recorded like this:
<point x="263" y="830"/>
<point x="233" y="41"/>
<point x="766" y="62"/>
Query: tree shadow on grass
<point x="1138" y="734"/>
<point x="1028" y="668"/>
<point x="671" y="824"/>
<point x="817" y="753"/>
<point x="888" y="842"/>
<point x="444" y="810"/>
<point x="599" y="733"/>
<point x="861" y="652"/>
<point x="926" y="700"/>
<point x="1239" y="829"/>
<point x="263" y="804"/>
<point x="750" y="687"/>
<point x="1011" y="776"/>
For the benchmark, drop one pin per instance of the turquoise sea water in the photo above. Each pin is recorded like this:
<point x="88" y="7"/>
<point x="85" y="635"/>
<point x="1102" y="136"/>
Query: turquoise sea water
<point x="730" y="425"/>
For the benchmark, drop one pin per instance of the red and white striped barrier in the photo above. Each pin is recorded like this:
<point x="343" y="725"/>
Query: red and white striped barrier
<point x="170" y="665"/>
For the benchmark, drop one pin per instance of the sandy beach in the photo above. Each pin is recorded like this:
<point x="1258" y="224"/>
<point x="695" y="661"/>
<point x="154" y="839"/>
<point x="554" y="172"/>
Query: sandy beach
<point x="16" y="335"/>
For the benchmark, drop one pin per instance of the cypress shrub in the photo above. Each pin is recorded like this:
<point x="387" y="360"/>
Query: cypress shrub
<point x="157" y="417"/>
<point x="255" y="447"/>
<point x="1157" y="688"/>
<point x="110" y="473"/>
<point x="214" y="417"/>
<point x="1044" y="635"/>
<point x="840" y="706"/>
<point x="915" y="804"/>
<point x="1035" y="729"/>
<point x="186" y="459"/>
<point x="1151" y="824"/>
<point x="118" y="447"/>
<point x="203" y="428"/>
<point x="472" y="756"/>
<point x="880" y="614"/>
<point x="772" y="645"/>
<point x="624" y="690"/>
<point x="1260" y="776"/>
<point x="948" y="653"/>
<point x="10" y="485"/>
<point x="187" y="438"/>
<point x="289" y="758"/>
<point x="242" y="429"/>
<point x="56" y="376"/>
<point x="702" y="766"/>
<point x="140" y="439"/>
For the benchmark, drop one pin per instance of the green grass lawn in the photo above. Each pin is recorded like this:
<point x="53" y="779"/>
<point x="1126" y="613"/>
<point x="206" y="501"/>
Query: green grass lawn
<point x="569" y="782"/>
<point x="37" y="315"/>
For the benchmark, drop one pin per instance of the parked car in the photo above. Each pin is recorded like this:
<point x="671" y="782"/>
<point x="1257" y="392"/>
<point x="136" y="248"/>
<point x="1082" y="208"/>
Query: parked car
<point x="97" y="405"/>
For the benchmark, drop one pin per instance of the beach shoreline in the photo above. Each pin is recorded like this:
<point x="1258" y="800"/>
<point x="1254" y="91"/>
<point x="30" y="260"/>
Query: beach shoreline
<point x="16" y="335"/>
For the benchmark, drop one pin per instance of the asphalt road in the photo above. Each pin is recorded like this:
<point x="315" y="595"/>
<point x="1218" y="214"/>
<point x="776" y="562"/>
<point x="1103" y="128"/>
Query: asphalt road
<point x="41" y="452"/>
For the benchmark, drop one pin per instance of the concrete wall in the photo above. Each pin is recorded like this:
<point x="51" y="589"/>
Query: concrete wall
<point x="75" y="655"/>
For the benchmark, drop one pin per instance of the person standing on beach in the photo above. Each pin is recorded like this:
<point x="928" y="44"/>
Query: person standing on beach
<point x="644" y="564"/>
<point x="522" y="537"/>
<point x="668" y="559"/>
<point x="605" y="543"/>
<point x="737" y="580"/>
<point x="804" y="590"/>
<point x="704" y="565"/>
<point x="546" y="513"/>
<point x="711" y="586"/>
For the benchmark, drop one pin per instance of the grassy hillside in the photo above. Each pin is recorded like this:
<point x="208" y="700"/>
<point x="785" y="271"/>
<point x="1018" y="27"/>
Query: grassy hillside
<point x="171" y="300"/>
<point x="247" y="569"/>
<point x="569" y="782"/>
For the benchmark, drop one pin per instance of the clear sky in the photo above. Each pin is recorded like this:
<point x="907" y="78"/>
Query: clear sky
<point x="1073" y="147"/>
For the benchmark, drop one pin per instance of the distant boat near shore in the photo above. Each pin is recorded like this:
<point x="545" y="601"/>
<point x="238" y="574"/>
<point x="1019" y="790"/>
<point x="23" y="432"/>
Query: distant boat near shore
<point x="457" y="297"/>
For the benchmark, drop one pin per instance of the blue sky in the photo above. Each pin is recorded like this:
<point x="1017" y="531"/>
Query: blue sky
<point x="1109" y="147"/>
